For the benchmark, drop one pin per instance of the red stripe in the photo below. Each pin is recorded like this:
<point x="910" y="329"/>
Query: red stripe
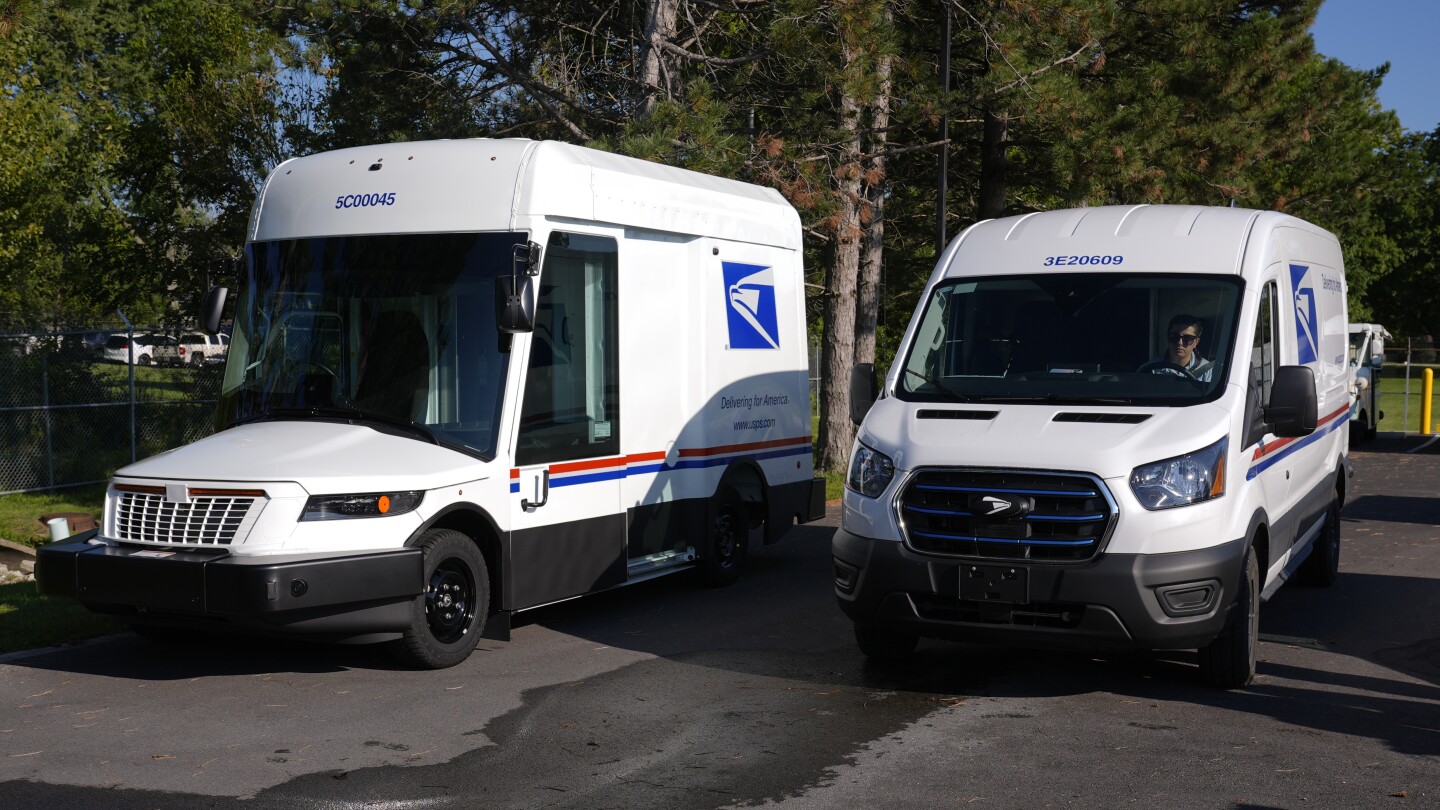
<point x="1276" y="446"/>
<point x="592" y="464"/>
<point x="736" y="448"/>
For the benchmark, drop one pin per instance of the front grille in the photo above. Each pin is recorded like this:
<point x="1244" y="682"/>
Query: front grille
<point x="943" y="512"/>
<point x="144" y="517"/>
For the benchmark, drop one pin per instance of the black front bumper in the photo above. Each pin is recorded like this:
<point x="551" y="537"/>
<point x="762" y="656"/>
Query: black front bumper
<point x="1115" y="601"/>
<point x="367" y="596"/>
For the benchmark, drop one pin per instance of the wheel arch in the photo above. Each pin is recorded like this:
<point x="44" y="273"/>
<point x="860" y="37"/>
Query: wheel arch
<point x="477" y="524"/>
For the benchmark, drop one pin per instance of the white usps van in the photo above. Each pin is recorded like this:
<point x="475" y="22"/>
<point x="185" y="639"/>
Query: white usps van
<point x="1107" y="427"/>
<point x="468" y="378"/>
<point x="1367" y="360"/>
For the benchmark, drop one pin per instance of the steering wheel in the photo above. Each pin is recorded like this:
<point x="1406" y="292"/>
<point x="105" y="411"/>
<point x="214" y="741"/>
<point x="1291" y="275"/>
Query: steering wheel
<point x="1166" y="367"/>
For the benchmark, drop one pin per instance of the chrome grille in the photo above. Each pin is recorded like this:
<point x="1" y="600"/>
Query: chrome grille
<point x="1067" y="521"/>
<point x="142" y="517"/>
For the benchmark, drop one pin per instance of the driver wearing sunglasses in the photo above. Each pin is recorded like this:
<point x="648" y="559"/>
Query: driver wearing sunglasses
<point x="1180" y="358"/>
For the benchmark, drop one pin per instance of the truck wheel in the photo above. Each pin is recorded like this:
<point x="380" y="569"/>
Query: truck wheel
<point x="447" y="619"/>
<point x="879" y="644"/>
<point x="197" y="359"/>
<point x="1322" y="567"/>
<point x="725" y="541"/>
<point x="1228" y="662"/>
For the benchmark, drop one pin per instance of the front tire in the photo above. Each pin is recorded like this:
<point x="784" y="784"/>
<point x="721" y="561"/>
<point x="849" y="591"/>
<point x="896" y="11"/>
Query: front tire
<point x="883" y="645"/>
<point x="1228" y="662"/>
<point x="448" y="618"/>
<point x="726" y="539"/>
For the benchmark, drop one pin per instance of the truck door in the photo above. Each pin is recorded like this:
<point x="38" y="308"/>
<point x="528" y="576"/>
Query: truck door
<point x="568" y="528"/>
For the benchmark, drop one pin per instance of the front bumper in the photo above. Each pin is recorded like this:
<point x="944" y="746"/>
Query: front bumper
<point x="357" y="597"/>
<point x="1114" y="601"/>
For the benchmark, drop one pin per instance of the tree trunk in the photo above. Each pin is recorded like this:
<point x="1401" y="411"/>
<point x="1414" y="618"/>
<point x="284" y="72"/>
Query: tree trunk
<point x="656" y="75"/>
<point x="993" y="165"/>
<point x="867" y="303"/>
<point x="841" y="279"/>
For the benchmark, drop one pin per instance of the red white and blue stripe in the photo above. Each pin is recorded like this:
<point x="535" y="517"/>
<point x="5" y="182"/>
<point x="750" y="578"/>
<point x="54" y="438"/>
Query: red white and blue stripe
<point x="1269" y="454"/>
<point x="572" y="473"/>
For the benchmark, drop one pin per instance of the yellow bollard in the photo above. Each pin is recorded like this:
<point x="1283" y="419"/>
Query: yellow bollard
<point x="1427" y="387"/>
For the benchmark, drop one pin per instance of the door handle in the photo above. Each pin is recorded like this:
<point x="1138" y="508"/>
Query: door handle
<point x="544" y="493"/>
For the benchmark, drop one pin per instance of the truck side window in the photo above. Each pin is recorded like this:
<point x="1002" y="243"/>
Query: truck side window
<point x="1265" y="350"/>
<point x="571" y="407"/>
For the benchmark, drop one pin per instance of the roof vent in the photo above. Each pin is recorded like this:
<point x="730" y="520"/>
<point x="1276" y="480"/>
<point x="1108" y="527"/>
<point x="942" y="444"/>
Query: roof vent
<point x="939" y="414"/>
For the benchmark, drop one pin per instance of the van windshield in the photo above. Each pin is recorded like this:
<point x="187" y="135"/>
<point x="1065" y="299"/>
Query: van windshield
<point x="1099" y="338"/>
<point x="396" y="331"/>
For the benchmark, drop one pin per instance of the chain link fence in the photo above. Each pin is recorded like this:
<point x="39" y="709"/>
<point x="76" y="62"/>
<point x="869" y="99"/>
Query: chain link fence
<point x="1401" y="382"/>
<point x="77" y="405"/>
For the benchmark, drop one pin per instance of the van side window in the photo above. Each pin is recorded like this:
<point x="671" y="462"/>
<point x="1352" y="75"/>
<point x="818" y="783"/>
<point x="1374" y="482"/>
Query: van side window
<point x="571" y="407"/>
<point x="1266" y="348"/>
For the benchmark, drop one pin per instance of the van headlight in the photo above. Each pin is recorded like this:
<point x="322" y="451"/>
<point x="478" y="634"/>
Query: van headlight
<point x="375" y="504"/>
<point x="870" y="471"/>
<point x="1183" y="480"/>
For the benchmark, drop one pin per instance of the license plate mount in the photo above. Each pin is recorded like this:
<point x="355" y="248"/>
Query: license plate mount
<point x="1004" y="584"/>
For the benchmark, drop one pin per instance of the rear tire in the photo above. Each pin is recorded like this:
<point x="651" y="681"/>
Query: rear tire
<point x="883" y="645"/>
<point x="1228" y="662"/>
<point x="726" y="540"/>
<point x="1322" y="567"/>
<point x="448" y="618"/>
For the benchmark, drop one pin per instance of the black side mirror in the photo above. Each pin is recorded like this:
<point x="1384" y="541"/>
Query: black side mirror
<point x="862" y="391"/>
<point x="1293" y="408"/>
<point x="515" y="304"/>
<point x="211" y="308"/>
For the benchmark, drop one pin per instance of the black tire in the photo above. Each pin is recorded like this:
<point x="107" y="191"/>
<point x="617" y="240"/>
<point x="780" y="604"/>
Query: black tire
<point x="143" y="360"/>
<point x="885" y="646"/>
<point x="1322" y="567"/>
<point x="197" y="359"/>
<point x="726" y="539"/>
<point x="448" y="618"/>
<point x="1228" y="662"/>
<point x="1372" y="430"/>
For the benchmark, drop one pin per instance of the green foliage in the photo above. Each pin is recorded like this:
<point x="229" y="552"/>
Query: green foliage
<point x="29" y="620"/>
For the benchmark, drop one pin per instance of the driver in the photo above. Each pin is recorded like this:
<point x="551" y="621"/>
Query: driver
<point x="1180" y="342"/>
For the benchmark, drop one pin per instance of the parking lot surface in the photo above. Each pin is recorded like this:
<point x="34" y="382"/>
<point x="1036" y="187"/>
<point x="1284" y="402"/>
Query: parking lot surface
<point x="670" y="695"/>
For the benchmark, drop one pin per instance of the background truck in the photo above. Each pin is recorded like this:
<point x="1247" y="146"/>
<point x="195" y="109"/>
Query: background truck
<point x="1366" y="360"/>
<point x="467" y="378"/>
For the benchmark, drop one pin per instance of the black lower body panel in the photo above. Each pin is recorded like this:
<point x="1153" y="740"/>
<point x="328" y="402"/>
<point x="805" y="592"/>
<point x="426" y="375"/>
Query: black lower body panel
<point x="1116" y="601"/>
<point x="368" y="595"/>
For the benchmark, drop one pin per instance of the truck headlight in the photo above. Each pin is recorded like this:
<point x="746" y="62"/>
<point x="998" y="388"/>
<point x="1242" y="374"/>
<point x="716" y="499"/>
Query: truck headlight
<point x="375" y="504"/>
<point x="1183" y="480"/>
<point x="870" y="471"/>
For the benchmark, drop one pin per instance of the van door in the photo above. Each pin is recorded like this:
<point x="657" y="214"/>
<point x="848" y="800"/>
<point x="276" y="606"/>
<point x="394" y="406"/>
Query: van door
<point x="568" y="530"/>
<point x="1268" y="460"/>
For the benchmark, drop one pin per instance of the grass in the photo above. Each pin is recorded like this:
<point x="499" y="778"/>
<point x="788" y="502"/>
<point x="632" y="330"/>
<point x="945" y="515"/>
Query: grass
<point x="29" y="620"/>
<point x="1393" y="401"/>
<point x="20" y="514"/>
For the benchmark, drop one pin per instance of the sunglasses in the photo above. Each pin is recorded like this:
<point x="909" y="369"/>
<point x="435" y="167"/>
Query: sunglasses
<point x="1183" y="340"/>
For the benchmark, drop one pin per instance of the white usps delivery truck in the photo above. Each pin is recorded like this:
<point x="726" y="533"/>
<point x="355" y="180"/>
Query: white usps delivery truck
<point x="1367" y="360"/>
<point x="1112" y="427"/>
<point x="468" y="378"/>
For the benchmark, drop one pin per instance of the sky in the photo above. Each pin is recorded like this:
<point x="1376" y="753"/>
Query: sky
<point x="1367" y="33"/>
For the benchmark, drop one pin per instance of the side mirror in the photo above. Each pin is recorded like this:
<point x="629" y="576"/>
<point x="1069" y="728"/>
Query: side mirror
<point x="1377" y="360"/>
<point x="862" y="391"/>
<point x="515" y="304"/>
<point x="211" y="308"/>
<point x="1293" y="408"/>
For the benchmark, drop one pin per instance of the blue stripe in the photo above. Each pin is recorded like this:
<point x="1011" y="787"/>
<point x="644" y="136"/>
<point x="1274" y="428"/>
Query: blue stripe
<point x="939" y="488"/>
<point x="1013" y="542"/>
<point x="1267" y="463"/>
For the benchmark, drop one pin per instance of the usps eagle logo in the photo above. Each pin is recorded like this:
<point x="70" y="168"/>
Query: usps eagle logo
<point x="751" y="314"/>
<point x="1307" y="327"/>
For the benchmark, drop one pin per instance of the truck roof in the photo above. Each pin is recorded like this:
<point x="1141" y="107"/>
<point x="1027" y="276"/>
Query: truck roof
<point x="485" y="184"/>
<point x="1145" y="238"/>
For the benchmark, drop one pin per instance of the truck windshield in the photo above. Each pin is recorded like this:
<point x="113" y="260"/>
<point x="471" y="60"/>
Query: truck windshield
<point x="1099" y="338"/>
<point x="394" y="330"/>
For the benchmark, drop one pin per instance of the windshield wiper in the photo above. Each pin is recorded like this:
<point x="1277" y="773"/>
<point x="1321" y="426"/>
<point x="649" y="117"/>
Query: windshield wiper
<point x="956" y="395"/>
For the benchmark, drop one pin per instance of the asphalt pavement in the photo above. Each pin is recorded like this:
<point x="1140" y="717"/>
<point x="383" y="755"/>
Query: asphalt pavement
<point x="671" y="695"/>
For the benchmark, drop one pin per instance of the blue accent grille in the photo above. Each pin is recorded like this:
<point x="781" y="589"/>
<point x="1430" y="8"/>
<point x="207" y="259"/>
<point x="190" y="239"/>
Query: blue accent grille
<point x="1065" y="517"/>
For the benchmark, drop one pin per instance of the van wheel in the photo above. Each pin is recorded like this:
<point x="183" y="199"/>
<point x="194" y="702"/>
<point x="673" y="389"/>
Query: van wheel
<point x="1322" y="567"/>
<point x="447" y="619"/>
<point x="726" y="541"/>
<point x="879" y="644"/>
<point x="1228" y="662"/>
